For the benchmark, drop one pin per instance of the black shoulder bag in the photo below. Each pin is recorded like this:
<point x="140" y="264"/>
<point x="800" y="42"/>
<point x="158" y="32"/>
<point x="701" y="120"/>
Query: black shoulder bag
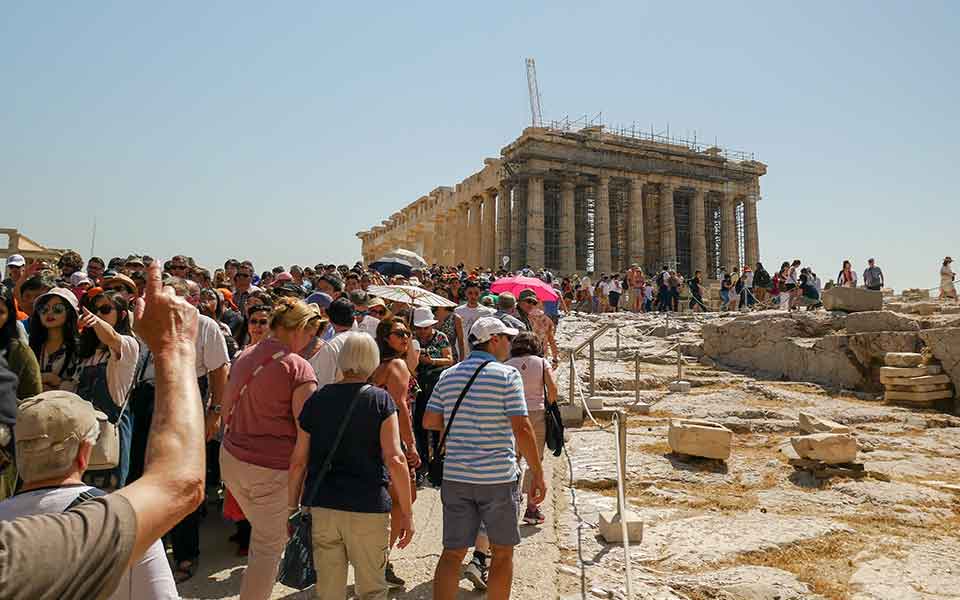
<point x="296" y="568"/>
<point x="435" y="471"/>
<point x="552" y="419"/>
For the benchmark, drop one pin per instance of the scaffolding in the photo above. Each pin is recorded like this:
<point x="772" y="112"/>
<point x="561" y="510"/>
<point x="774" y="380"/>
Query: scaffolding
<point x="681" y="212"/>
<point x="739" y="215"/>
<point x="584" y="227"/>
<point x="619" y="225"/>
<point x="712" y="226"/>
<point x="651" y="230"/>
<point x="551" y="224"/>
<point x="519" y="238"/>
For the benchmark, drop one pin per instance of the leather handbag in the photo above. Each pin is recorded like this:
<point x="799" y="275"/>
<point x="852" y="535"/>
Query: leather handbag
<point x="435" y="469"/>
<point x="105" y="454"/>
<point x="296" y="567"/>
<point x="553" y="421"/>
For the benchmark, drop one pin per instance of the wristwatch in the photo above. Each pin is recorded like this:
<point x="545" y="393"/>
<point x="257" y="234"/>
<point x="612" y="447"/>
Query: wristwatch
<point x="215" y="409"/>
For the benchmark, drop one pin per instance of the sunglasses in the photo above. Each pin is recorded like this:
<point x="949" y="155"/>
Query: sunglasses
<point x="401" y="333"/>
<point x="260" y="322"/>
<point x="377" y="311"/>
<point x="531" y="301"/>
<point x="177" y="267"/>
<point x="104" y="309"/>
<point x="57" y="309"/>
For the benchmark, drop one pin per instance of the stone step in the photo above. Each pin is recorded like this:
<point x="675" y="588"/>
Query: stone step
<point x="922" y="380"/>
<point x="917" y="396"/>
<point x="936" y="387"/>
<point x="891" y="372"/>
<point x="903" y="359"/>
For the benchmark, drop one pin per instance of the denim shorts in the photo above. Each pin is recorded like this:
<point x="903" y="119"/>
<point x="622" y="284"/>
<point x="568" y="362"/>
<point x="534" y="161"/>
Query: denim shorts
<point x="467" y="505"/>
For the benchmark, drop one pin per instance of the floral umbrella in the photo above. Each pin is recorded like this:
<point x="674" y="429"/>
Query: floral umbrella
<point x="409" y="294"/>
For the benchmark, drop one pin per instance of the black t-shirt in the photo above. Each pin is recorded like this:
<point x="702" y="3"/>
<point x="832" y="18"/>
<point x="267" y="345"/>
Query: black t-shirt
<point x="358" y="479"/>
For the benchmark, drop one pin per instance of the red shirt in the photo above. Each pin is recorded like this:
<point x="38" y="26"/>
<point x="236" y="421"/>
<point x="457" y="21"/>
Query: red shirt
<point x="262" y="427"/>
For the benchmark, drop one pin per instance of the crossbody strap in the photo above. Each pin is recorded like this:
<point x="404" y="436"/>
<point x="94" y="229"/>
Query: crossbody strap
<point x="256" y="371"/>
<point x="136" y="379"/>
<point x="443" y="439"/>
<point x="328" y="462"/>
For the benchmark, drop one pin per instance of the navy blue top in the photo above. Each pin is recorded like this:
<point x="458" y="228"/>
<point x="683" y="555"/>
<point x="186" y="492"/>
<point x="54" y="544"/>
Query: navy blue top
<point x="358" y="479"/>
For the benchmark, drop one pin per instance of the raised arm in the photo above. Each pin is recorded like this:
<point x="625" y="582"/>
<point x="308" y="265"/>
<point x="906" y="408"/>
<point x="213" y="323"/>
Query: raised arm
<point x="105" y="332"/>
<point x="172" y="483"/>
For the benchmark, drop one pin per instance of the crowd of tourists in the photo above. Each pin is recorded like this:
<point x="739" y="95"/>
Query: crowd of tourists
<point x="283" y="363"/>
<point x="283" y="360"/>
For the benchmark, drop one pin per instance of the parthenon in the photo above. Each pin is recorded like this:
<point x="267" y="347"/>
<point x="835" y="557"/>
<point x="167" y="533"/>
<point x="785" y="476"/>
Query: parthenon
<point x="588" y="200"/>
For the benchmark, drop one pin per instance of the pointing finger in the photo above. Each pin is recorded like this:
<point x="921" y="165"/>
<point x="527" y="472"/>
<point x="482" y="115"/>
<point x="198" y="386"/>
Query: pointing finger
<point x="154" y="281"/>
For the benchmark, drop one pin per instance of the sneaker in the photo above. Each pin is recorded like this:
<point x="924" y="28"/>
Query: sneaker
<point x="391" y="577"/>
<point x="476" y="573"/>
<point x="533" y="516"/>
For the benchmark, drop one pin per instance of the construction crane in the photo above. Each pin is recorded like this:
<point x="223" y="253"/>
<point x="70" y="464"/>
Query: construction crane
<point x="534" y="90"/>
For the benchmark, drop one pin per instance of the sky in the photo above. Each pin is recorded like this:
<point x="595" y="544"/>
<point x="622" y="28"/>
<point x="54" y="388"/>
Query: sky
<point x="276" y="131"/>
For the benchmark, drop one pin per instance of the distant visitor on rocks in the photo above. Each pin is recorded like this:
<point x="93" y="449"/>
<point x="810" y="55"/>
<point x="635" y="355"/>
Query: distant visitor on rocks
<point x="947" y="277"/>
<point x="872" y="276"/>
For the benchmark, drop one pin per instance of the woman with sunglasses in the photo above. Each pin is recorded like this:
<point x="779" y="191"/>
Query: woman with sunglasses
<point x="108" y="355"/>
<point x="212" y="305"/>
<point x="393" y="375"/>
<point x="245" y="332"/>
<point x="539" y="323"/>
<point x="53" y="339"/>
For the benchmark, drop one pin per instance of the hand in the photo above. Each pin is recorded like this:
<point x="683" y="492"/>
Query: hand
<point x="538" y="488"/>
<point x="168" y="322"/>
<point x="290" y="527"/>
<point x="404" y="527"/>
<point x="88" y="319"/>
<point x="413" y="458"/>
<point x="425" y="359"/>
<point x="212" y="424"/>
<point x="51" y="379"/>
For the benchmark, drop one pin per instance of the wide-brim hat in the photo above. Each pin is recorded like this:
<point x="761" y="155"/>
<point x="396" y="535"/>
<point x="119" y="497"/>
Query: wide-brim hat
<point x="423" y="317"/>
<point x="64" y="294"/>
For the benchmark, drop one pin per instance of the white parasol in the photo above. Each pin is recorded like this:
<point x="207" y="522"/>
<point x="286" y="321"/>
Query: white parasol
<point x="416" y="261"/>
<point x="409" y="294"/>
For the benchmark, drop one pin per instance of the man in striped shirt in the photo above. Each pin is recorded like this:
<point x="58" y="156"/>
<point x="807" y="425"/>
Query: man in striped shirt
<point x="480" y="475"/>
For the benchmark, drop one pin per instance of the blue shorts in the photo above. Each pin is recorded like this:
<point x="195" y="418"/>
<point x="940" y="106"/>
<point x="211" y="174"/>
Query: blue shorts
<point x="467" y="505"/>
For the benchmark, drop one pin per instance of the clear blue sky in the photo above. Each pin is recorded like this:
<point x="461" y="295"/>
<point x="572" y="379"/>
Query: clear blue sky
<point x="275" y="131"/>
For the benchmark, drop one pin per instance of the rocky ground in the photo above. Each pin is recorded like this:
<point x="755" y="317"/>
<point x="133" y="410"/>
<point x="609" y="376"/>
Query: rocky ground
<point x="753" y="527"/>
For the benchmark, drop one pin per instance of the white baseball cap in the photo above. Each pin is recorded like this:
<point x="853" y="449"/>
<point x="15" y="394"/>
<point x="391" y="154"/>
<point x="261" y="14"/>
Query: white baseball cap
<point x="15" y="260"/>
<point x="423" y="317"/>
<point x="486" y="327"/>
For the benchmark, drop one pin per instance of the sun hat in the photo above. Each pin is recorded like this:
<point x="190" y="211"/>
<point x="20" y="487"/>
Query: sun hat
<point x="62" y="293"/>
<point x="423" y="317"/>
<point x="487" y="327"/>
<point x="112" y="277"/>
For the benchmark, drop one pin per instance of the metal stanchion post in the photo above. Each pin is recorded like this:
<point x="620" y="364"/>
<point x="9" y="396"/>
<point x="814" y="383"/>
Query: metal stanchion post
<point x="679" y="364"/>
<point x="592" y="357"/>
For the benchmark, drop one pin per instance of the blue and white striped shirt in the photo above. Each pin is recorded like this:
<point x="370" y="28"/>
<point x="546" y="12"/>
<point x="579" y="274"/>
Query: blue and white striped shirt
<point x="480" y="445"/>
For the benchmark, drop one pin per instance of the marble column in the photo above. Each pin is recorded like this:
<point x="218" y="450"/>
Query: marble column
<point x="602" y="259"/>
<point x="698" y="240"/>
<point x="504" y="222"/>
<point x="636" y="234"/>
<point x="473" y="233"/>
<point x="451" y="220"/>
<point x="750" y="231"/>
<point x="517" y="234"/>
<point x="668" y="227"/>
<point x="728" y="231"/>
<point x="568" y="227"/>
<point x="461" y="236"/>
<point x="488" y="245"/>
<point x="535" y="242"/>
<point x="429" y="241"/>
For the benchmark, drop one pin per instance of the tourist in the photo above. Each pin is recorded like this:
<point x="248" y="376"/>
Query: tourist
<point x="95" y="269"/>
<point x="507" y="311"/>
<point x="696" y="292"/>
<point x="394" y="375"/>
<point x="471" y="310"/>
<point x="15" y="268"/>
<point x="761" y="283"/>
<point x="70" y="262"/>
<point x="436" y="355"/>
<point x="726" y="289"/>
<point x="539" y="389"/>
<point x="108" y="355"/>
<point x="613" y="292"/>
<point x="53" y="339"/>
<point x="847" y="277"/>
<point x="331" y="285"/>
<point x="351" y="507"/>
<point x="324" y="362"/>
<point x="451" y="324"/>
<point x="267" y="390"/>
<point x="784" y="287"/>
<point x="55" y="435"/>
<point x="648" y="295"/>
<point x="243" y="285"/>
<point x="539" y="323"/>
<point x="635" y="285"/>
<point x="246" y="333"/>
<point x="674" y="282"/>
<point x="747" y="299"/>
<point x="480" y="470"/>
<point x="212" y="305"/>
<point x="15" y="349"/>
<point x="873" y="276"/>
<point x="947" y="277"/>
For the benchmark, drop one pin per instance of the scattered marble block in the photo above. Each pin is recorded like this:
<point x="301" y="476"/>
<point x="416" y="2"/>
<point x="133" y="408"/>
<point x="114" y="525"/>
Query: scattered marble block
<point x="641" y="408"/>
<point x="852" y="299"/>
<point x="595" y="402"/>
<point x="571" y="414"/>
<point x="814" y="424"/>
<point x="898" y="372"/>
<point x="679" y="386"/>
<point x="916" y="381"/>
<point x="902" y="359"/>
<point x="694" y="437"/>
<point x="612" y="532"/>
<point x="918" y="396"/>
<point x="828" y="448"/>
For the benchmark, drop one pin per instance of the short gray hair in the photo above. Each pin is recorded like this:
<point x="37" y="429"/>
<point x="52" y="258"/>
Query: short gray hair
<point x="359" y="354"/>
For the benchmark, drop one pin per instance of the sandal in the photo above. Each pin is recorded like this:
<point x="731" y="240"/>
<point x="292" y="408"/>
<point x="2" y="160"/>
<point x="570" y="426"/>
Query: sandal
<point x="185" y="570"/>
